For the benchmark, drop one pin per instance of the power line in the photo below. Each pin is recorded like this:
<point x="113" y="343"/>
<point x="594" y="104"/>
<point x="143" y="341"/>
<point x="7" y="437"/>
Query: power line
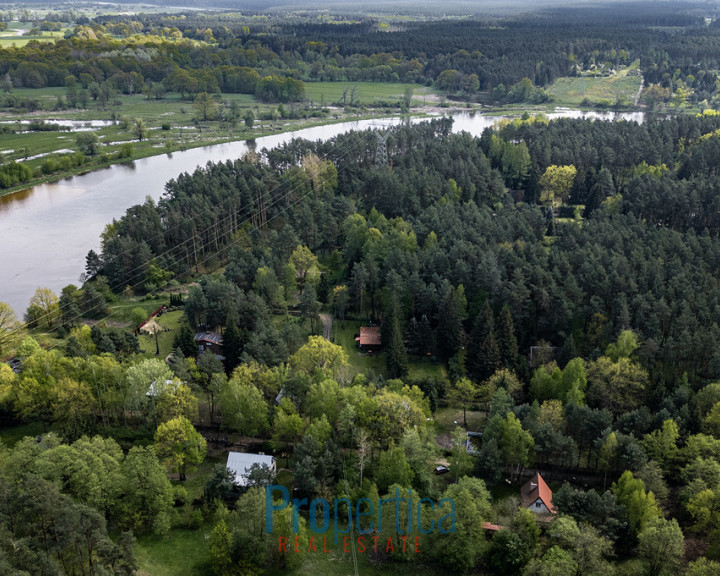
<point x="381" y="159"/>
<point x="257" y="226"/>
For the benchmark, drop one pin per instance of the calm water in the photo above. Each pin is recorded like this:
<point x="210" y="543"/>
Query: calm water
<point x="46" y="231"/>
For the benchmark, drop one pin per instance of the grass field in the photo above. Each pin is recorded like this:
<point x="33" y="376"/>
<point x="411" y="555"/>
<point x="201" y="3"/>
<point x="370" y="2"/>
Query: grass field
<point x="339" y="563"/>
<point x="172" y="124"/>
<point x="10" y="436"/>
<point x="181" y="552"/>
<point x="620" y="87"/>
<point x="343" y="334"/>
<point x="445" y="419"/>
<point x="171" y="323"/>
<point x="368" y="92"/>
<point x="15" y="35"/>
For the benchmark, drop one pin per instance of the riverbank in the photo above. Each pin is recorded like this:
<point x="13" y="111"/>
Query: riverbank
<point x="159" y="146"/>
<point x="48" y="230"/>
<point x="169" y="131"/>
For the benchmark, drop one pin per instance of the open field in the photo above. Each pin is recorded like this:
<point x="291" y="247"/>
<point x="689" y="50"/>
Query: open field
<point x="170" y="322"/>
<point x="171" y="123"/>
<point x="343" y="334"/>
<point x="181" y="552"/>
<point x="445" y="419"/>
<point x="368" y="92"/>
<point x="621" y="87"/>
<point x="15" y="35"/>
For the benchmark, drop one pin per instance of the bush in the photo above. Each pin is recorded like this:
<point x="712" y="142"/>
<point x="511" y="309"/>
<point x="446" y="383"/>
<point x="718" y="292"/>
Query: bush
<point x="127" y="150"/>
<point x="180" y="496"/>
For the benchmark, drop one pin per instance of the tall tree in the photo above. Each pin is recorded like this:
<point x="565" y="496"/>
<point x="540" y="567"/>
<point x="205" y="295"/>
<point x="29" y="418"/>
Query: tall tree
<point x="305" y="263"/>
<point x="206" y="106"/>
<point x="483" y="352"/>
<point x="506" y="340"/>
<point x="243" y="407"/>
<point x="662" y="544"/>
<point x="11" y="329"/>
<point x="453" y="310"/>
<point x="180" y="445"/>
<point x="463" y="393"/>
<point x="232" y="345"/>
<point x="44" y="309"/>
<point x="395" y="354"/>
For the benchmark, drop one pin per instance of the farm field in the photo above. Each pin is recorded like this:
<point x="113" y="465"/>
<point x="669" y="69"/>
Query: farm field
<point x="621" y="87"/>
<point x="368" y="93"/>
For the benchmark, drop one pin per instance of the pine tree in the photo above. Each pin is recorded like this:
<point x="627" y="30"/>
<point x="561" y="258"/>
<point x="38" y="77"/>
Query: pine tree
<point x="483" y="354"/>
<point x="185" y="340"/>
<point x="395" y="355"/>
<point x="490" y="355"/>
<point x="568" y="351"/>
<point x="450" y="324"/>
<point x="69" y="310"/>
<point x="506" y="341"/>
<point x="232" y="346"/>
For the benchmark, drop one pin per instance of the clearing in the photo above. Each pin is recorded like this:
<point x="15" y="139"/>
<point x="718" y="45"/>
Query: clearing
<point x="602" y="91"/>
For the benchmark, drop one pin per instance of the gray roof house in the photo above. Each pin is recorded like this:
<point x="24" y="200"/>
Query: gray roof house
<point x="240" y="463"/>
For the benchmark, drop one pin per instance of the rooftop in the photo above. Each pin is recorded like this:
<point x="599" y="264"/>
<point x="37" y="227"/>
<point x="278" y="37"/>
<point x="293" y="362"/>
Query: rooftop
<point x="534" y="489"/>
<point x="212" y="337"/>
<point x="240" y="463"/>
<point x="369" y="336"/>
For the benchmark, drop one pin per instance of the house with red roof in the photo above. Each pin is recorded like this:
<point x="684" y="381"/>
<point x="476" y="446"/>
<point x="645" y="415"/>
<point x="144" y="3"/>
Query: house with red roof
<point x="536" y="496"/>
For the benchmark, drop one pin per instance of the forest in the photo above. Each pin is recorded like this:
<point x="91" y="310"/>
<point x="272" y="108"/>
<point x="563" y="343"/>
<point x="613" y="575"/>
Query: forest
<point x="575" y="315"/>
<point x="551" y="287"/>
<point x="240" y="53"/>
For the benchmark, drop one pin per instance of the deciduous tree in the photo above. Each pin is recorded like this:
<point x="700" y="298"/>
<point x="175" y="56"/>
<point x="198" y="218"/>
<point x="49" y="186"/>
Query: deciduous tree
<point x="180" y="445"/>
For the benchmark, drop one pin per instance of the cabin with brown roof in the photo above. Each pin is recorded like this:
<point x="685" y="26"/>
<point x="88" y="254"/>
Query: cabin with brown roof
<point x="369" y="338"/>
<point x="536" y="496"/>
<point x="209" y="342"/>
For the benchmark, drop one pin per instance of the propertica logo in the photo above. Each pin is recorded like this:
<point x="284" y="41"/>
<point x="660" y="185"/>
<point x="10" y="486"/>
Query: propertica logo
<point x="362" y="518"/>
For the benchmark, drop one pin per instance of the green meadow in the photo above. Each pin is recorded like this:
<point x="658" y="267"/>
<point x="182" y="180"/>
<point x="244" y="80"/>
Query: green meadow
<point x="368" y="93"/>
<point x="621" y="87"/>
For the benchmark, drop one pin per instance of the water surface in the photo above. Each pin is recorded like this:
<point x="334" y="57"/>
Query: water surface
<point x="46" y="231"/>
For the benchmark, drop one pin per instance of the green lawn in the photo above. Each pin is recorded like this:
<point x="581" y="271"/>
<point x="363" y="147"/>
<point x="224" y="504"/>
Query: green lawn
<point x="187" y="553"/>
<point x="195" y="483"/>
<point x="11" y="37"/>
<point x="171" y="322"/>
<point x="181" y="552"/>
<point x="445" y="419"/>
<point x="421" y="368"/>
<point x="366" y="92"/>
<point x="588" y="91"/>
<point x="11" y="436"/>
<point x="121" y="310"/>
<point x="338" y="563"/>
<point x="343" y="334"/>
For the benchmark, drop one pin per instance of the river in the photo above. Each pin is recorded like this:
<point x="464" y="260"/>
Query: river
<point x="46" y="231"/>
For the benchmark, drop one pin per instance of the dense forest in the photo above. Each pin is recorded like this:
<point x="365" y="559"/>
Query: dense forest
<point x="551" y="286"/>
<point x="439" y="217"/>
<point x="227" y="52"/>
<point x="578" y="314"/>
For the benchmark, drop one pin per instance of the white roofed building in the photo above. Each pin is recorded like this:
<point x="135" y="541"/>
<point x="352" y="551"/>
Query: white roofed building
<point x="240" y="463"/>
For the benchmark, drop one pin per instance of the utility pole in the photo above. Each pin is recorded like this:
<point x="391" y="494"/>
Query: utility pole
<point x="381" y="159"/>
